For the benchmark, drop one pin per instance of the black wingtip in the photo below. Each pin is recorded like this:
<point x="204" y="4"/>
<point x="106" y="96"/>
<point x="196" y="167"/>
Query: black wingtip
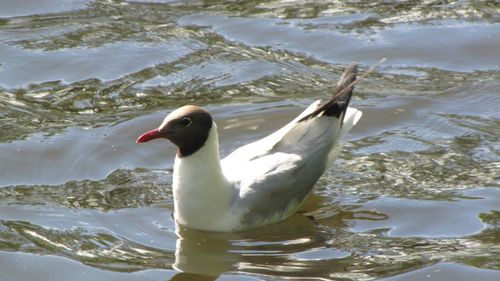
<point x="347" y="79"/>
<point x="338" y="104"/>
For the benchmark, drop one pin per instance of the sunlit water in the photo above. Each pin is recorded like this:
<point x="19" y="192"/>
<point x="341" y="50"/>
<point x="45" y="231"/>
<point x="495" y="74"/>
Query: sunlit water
<point x="414" y="195"/>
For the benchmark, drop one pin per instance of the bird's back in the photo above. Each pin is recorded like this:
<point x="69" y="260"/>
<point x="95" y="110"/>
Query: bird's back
<point x="273" y="176"/>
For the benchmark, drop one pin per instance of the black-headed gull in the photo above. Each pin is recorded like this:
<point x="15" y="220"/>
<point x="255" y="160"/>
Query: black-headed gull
<point x="262" y="182"/>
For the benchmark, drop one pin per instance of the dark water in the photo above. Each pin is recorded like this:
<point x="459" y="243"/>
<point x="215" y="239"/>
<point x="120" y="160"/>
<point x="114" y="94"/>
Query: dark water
<point x="414" y="195"/>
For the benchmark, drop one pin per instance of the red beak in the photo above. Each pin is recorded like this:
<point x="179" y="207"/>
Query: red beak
<point x="151" y="135"/>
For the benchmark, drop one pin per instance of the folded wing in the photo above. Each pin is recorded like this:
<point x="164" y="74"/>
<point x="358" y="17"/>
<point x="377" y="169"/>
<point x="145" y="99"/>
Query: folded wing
<point x="274" y="175"/>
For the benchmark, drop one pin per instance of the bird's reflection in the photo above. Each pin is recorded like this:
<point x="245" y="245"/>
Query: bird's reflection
<point x="186" y="276"/>
<point x="203" y="255"/>
<point x="274" y="248"/>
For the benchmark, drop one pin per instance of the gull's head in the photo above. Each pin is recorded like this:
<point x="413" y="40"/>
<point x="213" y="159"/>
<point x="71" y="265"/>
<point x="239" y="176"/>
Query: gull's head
<point x="187" y="127"/>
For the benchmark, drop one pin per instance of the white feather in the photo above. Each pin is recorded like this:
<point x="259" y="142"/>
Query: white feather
<point x="201" y="201"/>
<point x="239" y="191"/>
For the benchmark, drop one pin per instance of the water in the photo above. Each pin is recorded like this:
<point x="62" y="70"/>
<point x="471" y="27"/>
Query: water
<point x="414" y="195"/>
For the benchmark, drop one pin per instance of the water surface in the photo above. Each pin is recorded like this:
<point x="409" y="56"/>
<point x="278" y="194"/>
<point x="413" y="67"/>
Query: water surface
<point x="414" y="194"/>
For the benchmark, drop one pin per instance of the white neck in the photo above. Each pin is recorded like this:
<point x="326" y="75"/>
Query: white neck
<point x="202" y="194"/>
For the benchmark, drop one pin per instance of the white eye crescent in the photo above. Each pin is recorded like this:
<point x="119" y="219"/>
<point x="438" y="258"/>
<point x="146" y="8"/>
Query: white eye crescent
<point x="186" y="121"/>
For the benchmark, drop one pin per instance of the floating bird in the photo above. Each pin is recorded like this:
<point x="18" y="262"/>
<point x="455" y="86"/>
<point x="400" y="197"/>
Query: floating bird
<point x="260" y="183"/>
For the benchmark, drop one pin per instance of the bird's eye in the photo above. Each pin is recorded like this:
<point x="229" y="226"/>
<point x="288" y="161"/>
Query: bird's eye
<point x="186" y="121"/>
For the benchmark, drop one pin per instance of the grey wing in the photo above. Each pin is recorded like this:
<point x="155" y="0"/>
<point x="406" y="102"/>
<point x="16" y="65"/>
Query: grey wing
<point x="278" y="184"/>
<point x="276" y="173"/>
<point x="234" y="164"/>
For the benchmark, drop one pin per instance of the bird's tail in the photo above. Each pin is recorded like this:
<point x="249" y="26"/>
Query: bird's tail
<point x="337" y="105"/>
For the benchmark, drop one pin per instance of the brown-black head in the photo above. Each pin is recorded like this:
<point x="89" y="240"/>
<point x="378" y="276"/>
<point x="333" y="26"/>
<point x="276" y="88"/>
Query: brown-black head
<point x="187" y="127"/>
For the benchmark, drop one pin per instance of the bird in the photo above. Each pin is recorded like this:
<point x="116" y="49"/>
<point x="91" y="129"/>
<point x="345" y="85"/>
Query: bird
<point x="260" y="183"/>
